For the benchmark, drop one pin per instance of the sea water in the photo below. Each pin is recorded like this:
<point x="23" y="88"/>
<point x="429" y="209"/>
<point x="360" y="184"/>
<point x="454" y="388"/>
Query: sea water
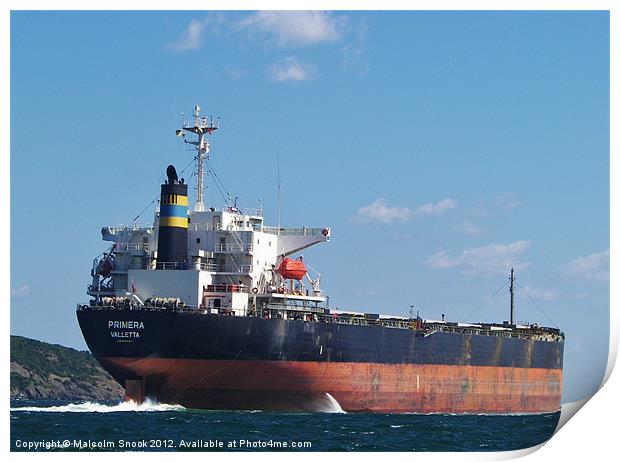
<point x="105" y="426"/>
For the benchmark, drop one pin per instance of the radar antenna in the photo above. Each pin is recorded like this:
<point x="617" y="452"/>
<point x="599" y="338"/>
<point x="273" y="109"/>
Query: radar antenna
<point x="202" y="127"/>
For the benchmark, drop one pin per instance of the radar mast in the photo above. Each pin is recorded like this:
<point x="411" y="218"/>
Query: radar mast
<point x="202" y="127"/>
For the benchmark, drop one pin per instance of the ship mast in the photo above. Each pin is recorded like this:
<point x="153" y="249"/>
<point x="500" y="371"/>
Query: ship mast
<point x="512" y="296"/>
<point x="202" y="127"/>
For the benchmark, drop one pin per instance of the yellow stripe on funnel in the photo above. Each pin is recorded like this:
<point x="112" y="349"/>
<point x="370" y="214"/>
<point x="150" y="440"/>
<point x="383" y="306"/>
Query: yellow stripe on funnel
<point x="178" y="222"/>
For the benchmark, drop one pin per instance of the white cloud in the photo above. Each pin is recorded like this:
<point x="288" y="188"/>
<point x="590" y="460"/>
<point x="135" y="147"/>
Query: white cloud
<point x="479" y="211"/>
<point x="287" y="28"/>
<point x="469" y="229"/>
<point x="493" y="258"/>
<point x="540" y="294"/>
<point x="290" y="69"/>
<point x="508" y="201"/>
<point x="594" y="266"/>
<point x="191" y="38"/>
<point x="296" y="28"/>
<point x="353" y="52"/>
<point x="20" y="292"/>
<point x="437" y="208"/>
<point x="442" y="260"/>
<point x="379" y="210"/>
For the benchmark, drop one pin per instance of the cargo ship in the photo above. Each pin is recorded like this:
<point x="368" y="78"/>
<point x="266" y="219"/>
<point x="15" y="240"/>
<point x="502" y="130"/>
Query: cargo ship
<point x="211" y="308"/>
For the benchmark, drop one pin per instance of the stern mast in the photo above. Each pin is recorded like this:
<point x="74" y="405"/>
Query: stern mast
<point x="512" y="296"/>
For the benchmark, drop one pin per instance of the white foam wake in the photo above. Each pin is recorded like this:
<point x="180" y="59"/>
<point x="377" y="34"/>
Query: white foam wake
<point x="330" y="405"/>
<point x="127" y="406"/>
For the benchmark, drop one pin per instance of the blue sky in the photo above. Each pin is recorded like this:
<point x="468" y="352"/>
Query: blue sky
<point x="442" y="148"/>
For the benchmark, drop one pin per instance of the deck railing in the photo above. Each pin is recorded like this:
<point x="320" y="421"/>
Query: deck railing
<point x="131" y="247"/>
<point x="293" y="231"/>
<point x="311" y="315"/>
<point x="234" y="247"/>
<point x="214" y="267"/>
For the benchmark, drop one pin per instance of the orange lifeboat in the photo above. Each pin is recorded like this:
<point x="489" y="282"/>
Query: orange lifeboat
<point x="292" y="269"/>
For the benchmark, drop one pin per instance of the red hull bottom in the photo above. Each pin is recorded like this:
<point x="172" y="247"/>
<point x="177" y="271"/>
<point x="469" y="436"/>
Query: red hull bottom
<point x="357" y="387"/>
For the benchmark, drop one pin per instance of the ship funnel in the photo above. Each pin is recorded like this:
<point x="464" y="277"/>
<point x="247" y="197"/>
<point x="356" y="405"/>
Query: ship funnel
<point x="171" y="173"/>
<point x="172" y="240"/>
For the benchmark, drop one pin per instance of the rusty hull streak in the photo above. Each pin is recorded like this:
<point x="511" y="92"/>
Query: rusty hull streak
<point x="356" y="386"/>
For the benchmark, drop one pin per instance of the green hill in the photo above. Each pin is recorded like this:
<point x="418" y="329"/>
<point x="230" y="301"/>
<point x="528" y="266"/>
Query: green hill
<point x="41" y="370"/>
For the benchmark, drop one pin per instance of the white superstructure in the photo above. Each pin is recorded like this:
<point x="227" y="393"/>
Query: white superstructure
<point x="232" y="257"/>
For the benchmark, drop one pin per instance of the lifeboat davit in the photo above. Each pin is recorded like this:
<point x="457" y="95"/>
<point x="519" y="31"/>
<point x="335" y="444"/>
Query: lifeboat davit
<point x="292" y="269"/>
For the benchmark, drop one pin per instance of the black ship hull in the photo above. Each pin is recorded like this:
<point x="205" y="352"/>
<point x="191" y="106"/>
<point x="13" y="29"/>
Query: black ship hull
<point x="227" y="362"/>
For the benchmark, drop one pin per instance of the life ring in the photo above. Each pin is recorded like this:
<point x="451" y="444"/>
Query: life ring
<point x="255" y="290"/>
